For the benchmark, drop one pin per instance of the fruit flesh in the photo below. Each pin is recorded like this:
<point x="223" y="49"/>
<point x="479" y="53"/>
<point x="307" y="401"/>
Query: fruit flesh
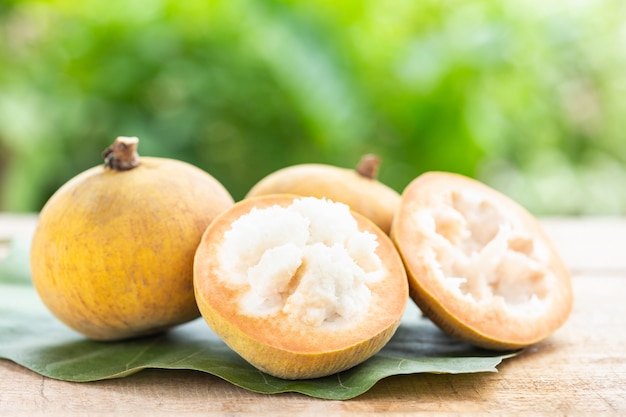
<point x="310" y="262"/>
<point x="480" y="265"/>
<point x="483" y="257"/>
<point x="297" y="294"/>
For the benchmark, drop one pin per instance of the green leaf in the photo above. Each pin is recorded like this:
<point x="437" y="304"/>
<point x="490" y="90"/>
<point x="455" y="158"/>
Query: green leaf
<point x="14" y="268"/>
<point x="33" y="338"/>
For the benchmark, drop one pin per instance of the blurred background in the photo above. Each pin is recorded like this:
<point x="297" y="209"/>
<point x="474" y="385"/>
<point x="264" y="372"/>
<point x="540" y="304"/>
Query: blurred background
<point x="527" y="96"/>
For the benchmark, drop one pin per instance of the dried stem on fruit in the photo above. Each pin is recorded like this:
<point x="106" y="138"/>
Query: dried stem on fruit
<point x="122" y="154"/>
<point x="368" y="166"/>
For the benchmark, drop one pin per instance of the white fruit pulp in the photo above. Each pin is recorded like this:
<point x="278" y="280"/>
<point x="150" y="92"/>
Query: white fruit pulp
<point x="483" y="256"/>
<point x="308" y="260"/>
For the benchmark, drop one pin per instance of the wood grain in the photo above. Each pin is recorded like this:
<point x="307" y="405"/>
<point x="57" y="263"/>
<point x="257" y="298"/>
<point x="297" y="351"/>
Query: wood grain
<point x="581" y="369"/>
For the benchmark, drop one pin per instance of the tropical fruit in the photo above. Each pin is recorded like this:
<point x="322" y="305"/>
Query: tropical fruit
<point x="480" y="265"/>
<point x="300" y="287"/>
<point x="112" y="255"/>
<point x="358" y="188"/>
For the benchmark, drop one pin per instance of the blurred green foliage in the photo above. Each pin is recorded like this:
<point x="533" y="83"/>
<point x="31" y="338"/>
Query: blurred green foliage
<point x="528" y="96"/>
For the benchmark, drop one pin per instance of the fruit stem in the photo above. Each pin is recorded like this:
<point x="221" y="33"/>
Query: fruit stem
<point x="368" y="166"/>
<point x="122" y="154"/>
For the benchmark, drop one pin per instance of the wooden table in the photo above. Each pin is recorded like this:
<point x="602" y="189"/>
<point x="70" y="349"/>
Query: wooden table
<point x="581" y="369"/>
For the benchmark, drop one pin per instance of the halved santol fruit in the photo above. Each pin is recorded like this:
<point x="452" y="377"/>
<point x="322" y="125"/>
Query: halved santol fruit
<point x="112" y="255"/>
<point x="300" y="287"/>
<point x="358" y="188"/>
<point x="479" y="265"/>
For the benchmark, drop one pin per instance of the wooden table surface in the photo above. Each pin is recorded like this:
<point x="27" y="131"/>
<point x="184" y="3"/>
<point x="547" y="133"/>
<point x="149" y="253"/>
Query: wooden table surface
<point x="581" y="369"/>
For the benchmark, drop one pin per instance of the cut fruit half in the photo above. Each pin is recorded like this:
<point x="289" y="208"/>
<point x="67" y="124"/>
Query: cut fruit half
<point x="479" y="265"/>
<point x="300" y="287"/>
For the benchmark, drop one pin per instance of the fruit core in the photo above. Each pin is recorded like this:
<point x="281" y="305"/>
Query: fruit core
<point x="308" y="261"/>
<point x="484" y="257"/>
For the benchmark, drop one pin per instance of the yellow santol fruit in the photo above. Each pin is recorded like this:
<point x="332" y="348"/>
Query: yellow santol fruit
<point x="112" y="254"/>
<point x="300" y="287"/>
<point x="358" y="188"/>
<point x="479" y="265"/>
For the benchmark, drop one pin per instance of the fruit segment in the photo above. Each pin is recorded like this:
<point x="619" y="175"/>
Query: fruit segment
<point x="300" y="287"/>
<point x="479" y="265"/>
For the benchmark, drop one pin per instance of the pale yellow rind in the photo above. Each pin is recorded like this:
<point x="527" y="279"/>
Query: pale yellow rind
<point x="367" y="196"/>
<point x="287" y="364"/>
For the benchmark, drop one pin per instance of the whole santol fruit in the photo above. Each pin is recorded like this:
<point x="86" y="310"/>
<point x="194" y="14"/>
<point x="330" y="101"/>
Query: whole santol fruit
<point x="480" y="265"/>
<point x="358" y="188"/>
<point x="300" y="287"/>
<point x="112" y="254"/>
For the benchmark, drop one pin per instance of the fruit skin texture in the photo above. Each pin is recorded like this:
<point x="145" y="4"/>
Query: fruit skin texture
<point x="490" y="328"/>
<point x="363" y="194"/>
<point x="273" y="346"/>
<point x="112" y="255"/>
